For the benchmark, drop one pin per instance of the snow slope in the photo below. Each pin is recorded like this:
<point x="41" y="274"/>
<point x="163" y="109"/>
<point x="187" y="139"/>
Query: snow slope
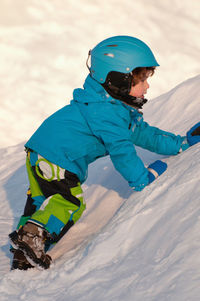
<point x="147" y="245"/>
<point x="44" y="46"/>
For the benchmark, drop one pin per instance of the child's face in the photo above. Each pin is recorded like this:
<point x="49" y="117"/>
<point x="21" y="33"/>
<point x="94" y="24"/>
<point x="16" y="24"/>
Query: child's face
<point x="140" y="88"/>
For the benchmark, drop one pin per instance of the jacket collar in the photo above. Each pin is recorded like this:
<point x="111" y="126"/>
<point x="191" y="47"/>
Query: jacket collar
<point x="93" y="92"/>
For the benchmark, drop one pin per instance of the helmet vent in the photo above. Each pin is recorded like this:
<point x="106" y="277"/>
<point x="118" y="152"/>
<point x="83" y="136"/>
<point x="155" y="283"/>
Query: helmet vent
<point x="109" y="54"/>
<point x="113" y="45"/>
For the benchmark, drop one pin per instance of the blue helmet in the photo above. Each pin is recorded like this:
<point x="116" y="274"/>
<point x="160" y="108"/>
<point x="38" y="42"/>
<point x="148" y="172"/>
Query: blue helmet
<point x="121" y="54"/>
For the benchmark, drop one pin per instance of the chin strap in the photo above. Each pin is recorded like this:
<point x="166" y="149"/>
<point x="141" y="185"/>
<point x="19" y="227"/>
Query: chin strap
<point x="136" y="101"/>
<point x="133" y="101"/>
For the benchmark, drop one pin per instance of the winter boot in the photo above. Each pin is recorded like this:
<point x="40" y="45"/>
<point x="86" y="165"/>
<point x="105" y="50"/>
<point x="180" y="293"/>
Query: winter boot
<point x="19" y="261"/>
<point x="31" y="240"/>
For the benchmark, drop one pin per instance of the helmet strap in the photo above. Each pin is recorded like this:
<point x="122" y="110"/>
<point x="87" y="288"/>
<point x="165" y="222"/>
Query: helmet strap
<point x="87" y="61"/>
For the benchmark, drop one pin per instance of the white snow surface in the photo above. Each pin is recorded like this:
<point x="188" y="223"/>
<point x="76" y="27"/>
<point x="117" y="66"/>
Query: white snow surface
<point x="141" y="246"/>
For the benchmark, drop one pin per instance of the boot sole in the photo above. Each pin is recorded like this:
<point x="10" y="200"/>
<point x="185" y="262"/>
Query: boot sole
<point x="17" y="265"/>
<point x="19" y="261"/>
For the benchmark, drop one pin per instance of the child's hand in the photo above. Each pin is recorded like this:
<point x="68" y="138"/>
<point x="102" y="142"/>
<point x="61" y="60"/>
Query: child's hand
<point x="156" y="169"/>
<point x="193" y="135"/>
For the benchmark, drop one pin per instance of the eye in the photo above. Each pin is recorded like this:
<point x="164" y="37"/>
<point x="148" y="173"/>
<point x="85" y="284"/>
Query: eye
<point x="144" y="80"/>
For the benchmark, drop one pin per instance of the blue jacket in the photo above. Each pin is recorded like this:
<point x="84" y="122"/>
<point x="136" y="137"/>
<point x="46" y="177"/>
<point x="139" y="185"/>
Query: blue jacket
<point x="95" y="125"/>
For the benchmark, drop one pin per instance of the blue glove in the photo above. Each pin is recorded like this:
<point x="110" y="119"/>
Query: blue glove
<point x="193" y="135"/>
<point x="156" y="169"/>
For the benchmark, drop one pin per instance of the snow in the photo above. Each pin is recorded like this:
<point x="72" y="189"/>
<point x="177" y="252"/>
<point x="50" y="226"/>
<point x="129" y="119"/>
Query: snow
<point x="128" y="245"/>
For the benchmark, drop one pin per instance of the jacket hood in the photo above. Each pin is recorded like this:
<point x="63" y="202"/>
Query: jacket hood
<point x="92" y="92"/>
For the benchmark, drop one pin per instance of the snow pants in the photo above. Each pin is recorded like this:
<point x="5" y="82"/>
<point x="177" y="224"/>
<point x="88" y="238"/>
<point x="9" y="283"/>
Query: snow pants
<point x="55" y="197"/>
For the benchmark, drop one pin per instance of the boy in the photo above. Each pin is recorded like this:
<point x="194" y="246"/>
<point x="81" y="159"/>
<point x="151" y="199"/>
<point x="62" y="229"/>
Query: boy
<point x="103" y="119"/>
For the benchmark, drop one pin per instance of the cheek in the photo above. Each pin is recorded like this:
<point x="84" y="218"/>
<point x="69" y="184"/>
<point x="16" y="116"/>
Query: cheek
<point x="136" y="91"/>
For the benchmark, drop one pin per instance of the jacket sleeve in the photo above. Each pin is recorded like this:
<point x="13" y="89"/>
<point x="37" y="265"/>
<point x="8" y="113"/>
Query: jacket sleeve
<point x="115" y="135"/>
<point x="157" y="140"/>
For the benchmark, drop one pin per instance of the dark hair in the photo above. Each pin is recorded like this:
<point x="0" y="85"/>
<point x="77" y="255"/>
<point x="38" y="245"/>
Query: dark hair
<point x="141" y="73"/>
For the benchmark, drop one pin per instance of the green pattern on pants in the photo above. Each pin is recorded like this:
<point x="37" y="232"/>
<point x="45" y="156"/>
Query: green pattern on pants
<point x="56" y="210"/>
<point x="34" y="186"/>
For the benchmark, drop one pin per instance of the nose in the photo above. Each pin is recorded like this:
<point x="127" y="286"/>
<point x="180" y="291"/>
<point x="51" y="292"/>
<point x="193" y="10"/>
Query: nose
<point x="147" y="85"/>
